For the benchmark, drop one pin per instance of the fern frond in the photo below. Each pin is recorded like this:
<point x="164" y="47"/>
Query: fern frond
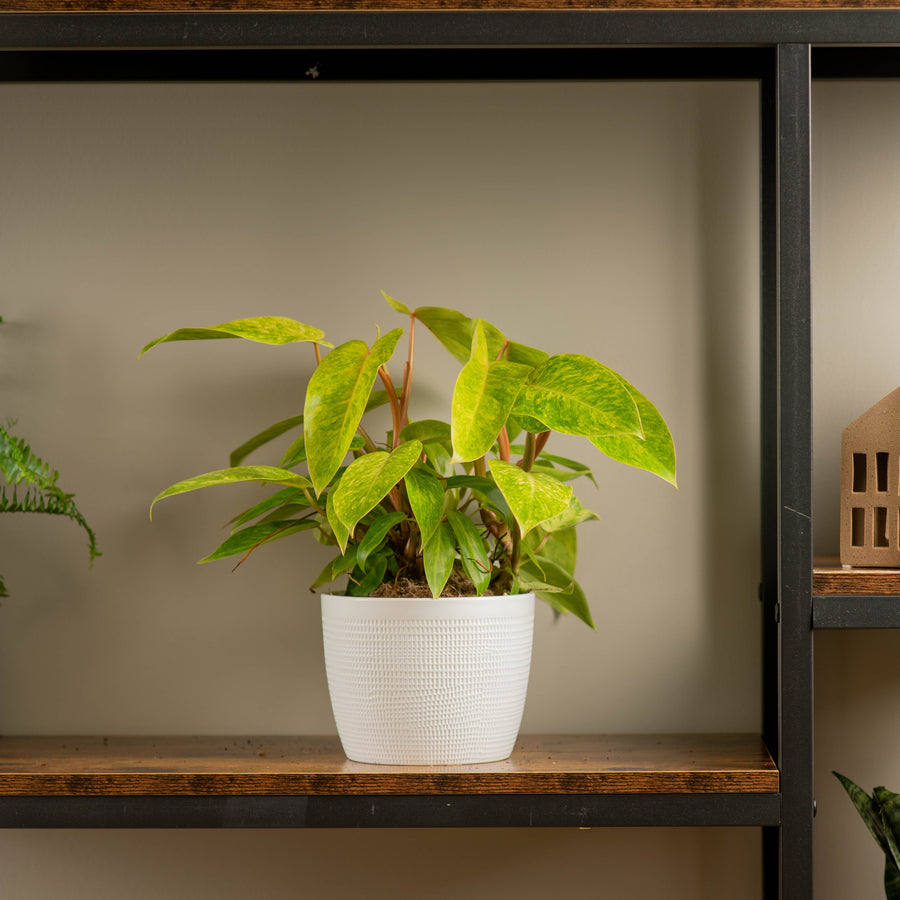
<point x="28" y="485"/>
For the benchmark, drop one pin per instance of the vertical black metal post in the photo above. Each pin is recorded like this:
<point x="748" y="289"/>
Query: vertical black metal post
<point x="768" y="588"/>
<point x="794" y="603"/>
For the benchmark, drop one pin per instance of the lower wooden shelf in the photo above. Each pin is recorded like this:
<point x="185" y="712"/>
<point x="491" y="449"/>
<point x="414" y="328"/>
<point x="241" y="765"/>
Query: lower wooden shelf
<point x="584" y="780"/>
<point x="855" y="597"/>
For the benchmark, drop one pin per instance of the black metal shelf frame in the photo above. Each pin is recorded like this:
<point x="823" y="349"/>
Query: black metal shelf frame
<point x="772" y="47"/>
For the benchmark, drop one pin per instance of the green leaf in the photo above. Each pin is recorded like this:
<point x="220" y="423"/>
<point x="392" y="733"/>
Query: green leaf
<point x="578" y="468"/>
<point x="368" y="480"/>
<point x="282" y="498"/>
<point x="263" y="329"/>
<point x="376" y="535"/>
<point x="340" y="564"/>
<point x="456" y="331"/>
<point x="655" y="453"/>
<point x="336" y="399"/>
<point x="532" y="498"/>
<point x="527" y="356"/>
<point x="239" y="454"/>
<point x="428" y="431"/>
<point x="439" y="554"/>
<point x="868" y="809"/>
<point x="482" y="399"/>
<point x="889" y="803"/>
<point x="438" y="457"/>
<point x="574" y="514"/>
<point x="567" y="595"/>
<point x="341" y="531"/>
<point x="485" y="489"/>
<point x="397" y="305"/>
<point x="575" y="394"/>
<point x="236" y="475"/>
<point x="426" y="498"/>
<point x="560" y="547"/>
<point x="248" y="538"/>
<point x="361" y="585"/>
<point x="472" y="550"/>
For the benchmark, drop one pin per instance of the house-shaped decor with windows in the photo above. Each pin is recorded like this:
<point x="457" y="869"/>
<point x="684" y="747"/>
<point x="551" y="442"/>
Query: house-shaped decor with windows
<point x="870" y="486"/>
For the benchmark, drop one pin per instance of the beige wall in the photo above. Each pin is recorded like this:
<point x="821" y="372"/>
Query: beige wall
<point x="615" y="220"/>
<point x="856" y="316"/>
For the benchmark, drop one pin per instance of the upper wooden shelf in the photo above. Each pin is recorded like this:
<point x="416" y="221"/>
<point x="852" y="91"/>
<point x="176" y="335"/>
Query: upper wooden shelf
<point x="196" y="6"/>
<point x="315" y="766"/>
<point x="829" y="577"/>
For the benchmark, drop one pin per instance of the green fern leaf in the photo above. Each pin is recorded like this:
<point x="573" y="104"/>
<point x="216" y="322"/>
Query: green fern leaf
<point x="28" y="485"/>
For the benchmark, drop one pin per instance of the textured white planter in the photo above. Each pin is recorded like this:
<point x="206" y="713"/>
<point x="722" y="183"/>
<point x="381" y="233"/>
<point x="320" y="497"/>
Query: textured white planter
<point x="428" y="682"/>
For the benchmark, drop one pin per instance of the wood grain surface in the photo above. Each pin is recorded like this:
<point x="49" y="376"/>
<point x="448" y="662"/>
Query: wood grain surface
<point x="87" y="6"/>
<point x="680" y="764"/>
<point x="829" y="577"/>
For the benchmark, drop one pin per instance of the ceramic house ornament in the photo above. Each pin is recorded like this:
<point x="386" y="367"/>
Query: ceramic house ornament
<point x="870" y="486"/>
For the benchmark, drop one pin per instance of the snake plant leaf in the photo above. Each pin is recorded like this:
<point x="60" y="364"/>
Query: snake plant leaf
<point x="336" y="399"/>
<point x="236" y="475"/>
<point x="254" y="535"/>
<point x="655" y="453"/>
<point x="575" y="394"/>
<point x="397" y="305"/>
<point x="438" y="555"/>
<point x="889" y="804"/>
<point x="239" y="454"/>
<point x="456" y="331"/>
<point x="473" y="553"/>
<point x="336" y="567"/>
<point x="262" y="329"/>
<point x="367" y="481"/>
<point x="428" y="431"/>
<point x="482" y="399"/>
<point x="868" y="809"/>
<point x="376" y="536"/>
<point x="532" y="498"/>
<point x="426" y="499"/>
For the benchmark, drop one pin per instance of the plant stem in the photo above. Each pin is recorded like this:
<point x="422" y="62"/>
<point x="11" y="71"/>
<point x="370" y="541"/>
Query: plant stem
<point x="530" y="454"/>
<point x="407" y="373"/>
<point x="480" y="467"/>
<point x="503" y="444"/>
<point x="395" y="406"/>
<point x="318" y="353"/>
<point x="540" y="443"/>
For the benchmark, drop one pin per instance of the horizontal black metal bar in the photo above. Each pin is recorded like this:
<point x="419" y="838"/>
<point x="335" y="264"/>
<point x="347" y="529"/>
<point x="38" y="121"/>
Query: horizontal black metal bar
<point x="835" y="611"/>
<point x="856" y="62"/>
<point x="324" y="64"/>
<point x="492" y="811"/>
<point x="443" y="28"/>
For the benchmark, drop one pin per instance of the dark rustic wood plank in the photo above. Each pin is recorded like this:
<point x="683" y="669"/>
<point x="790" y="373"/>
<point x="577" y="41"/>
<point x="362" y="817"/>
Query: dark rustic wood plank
<point x="193" y="6"/>
<point x="829" y="577"/>
<point x="584" y="764"/>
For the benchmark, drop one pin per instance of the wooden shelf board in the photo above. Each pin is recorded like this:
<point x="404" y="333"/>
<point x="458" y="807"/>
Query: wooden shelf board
<point x="200" y="6"/>
<point x="316" y="766"/>
<point x="829" y="577"/>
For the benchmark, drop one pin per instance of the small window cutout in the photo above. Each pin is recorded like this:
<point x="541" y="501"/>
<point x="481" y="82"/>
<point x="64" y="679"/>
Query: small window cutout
<point x="859" y="473"/>
<point x="858" y="523"/>
<point x="881" y="470"/>
<point x="881" y="538"/>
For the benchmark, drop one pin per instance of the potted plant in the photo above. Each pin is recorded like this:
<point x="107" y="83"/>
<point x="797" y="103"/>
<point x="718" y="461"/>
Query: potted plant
<point x="881" y="813"/>
<point x="475" y="506"/>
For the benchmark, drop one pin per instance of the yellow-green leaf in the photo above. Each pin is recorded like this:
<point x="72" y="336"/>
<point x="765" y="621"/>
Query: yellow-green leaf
<point x="236" y="475"/>
<point x="482" y="399"/>
<point x="575" y="394"/>
<point x="438" y="555"/>
<point x="336" y="399"/>
<point x="426" y="498"/>
<point x="367" y="481"/>
<point x="655" y="453"/>
<point x="263" y="329"/>
<point x="532" y="498"/>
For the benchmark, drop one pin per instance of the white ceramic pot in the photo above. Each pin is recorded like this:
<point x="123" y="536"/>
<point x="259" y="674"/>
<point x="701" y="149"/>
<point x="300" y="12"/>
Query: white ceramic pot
<point x="428" y="682"/>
